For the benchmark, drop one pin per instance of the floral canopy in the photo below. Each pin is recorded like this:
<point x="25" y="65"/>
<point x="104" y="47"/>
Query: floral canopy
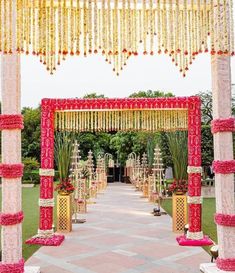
<point x="118" y="29"/>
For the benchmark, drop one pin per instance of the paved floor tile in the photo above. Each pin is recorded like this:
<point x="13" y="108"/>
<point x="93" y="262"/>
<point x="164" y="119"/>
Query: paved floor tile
<point x="120" y="236"/>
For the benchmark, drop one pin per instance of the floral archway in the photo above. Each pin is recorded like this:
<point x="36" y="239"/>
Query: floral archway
<point x="160" y="114"/>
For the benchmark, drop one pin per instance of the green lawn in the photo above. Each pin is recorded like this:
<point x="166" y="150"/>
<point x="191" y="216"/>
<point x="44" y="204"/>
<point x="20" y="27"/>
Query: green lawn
<point x="30" y="225"/>
<point x="208" y="210"/>
<point x="31" y="212"/>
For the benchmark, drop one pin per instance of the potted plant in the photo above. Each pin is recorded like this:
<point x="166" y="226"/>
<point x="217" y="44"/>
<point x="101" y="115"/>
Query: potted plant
<point x="65" y="187"/>
<point x="179" y="187"/>
<point x="63" y="153"/>
<point x="177" y="142"/>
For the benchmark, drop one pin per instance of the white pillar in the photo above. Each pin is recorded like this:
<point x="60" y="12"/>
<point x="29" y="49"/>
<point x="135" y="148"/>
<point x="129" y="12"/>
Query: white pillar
<point x="11" y="236"/>
<point x="223" y="150"/>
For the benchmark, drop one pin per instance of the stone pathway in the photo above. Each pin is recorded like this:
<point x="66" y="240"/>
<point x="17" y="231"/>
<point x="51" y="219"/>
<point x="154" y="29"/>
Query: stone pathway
<point x="120" y="236"/>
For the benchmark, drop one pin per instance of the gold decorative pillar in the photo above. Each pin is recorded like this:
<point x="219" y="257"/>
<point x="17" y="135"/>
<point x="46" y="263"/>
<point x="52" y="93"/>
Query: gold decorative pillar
<point x="64" y="213"/>
<point x="179" y="212"/>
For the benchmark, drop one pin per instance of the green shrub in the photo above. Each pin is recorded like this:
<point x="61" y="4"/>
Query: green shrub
<point x="31" y="177"/>
<point x="30" y="164"/>
<point x="31" y="170"/>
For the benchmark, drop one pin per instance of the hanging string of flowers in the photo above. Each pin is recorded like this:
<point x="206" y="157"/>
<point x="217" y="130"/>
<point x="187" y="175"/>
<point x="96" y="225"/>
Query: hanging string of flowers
<point x="125" y="120"/>
<point x="54" y="29"/>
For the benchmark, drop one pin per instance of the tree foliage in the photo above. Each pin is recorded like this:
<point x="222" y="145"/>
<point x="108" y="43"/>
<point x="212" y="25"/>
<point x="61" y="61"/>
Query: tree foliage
<point x="31" y="173"/>
<point x="97" y="142"/>
<point x="207" y="145"/>
<point x="30" y="164"/>
<point x="164" y="146"/>
<point x="121" y="143"/>
<point x="145" y="142"/>
<point x="207" y="117"/>
<point x="93" y="95"/>
<point x="31" y="133"/>
<point x="206" y="106"/>
<point x="150" y="94"/>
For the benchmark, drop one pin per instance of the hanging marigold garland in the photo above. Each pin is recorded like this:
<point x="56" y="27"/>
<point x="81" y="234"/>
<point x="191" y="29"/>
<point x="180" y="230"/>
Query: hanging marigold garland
<point x="121" y="119"/>
<point x="54" y="29"/>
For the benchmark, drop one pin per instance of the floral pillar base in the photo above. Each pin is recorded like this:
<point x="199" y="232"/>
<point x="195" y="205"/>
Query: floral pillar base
<point x="53" y="240"/>
<point x="194" y="238"/>
<point x="31" y="269"/>
<point x="212" y="268"/>
<point x="184" y="241"/>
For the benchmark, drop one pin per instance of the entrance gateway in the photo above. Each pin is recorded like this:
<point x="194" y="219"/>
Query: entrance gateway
<point x="159" y="114"/>
<point x="54" y="29"/>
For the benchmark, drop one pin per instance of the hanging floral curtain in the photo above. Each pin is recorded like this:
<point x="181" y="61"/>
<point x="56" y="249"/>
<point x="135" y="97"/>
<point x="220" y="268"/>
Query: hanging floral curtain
<point x="118" y="29"/>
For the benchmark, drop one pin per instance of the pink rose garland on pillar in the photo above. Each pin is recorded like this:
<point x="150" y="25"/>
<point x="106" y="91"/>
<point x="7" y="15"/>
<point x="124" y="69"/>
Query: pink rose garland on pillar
<point x="12" y="268"/>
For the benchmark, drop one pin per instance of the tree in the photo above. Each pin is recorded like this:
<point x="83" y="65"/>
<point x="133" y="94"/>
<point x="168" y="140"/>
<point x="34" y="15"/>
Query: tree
<point x="31" y="133"/>
<point x="207" y="145"/>
<point x="93" y="95"/>
<point x="98" y="142"/>
<point x="31" y="166"/>
<point x="206" y="106"/>
<point x="150" y="94"/>
<point x="146" y="141"/>
<point x="164" y="146"/>
<point x="121" y="143"/>
<point x="207" y="117"/>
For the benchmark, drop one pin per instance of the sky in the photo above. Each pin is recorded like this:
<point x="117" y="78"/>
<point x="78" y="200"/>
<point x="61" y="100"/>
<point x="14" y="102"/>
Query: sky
<point x="78" y="76"/>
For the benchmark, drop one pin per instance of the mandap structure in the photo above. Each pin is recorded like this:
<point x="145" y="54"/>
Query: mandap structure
<point x="119" y="30"/>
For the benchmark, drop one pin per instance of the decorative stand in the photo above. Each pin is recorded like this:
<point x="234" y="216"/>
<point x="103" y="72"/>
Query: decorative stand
<point x="103" y="174"/>
<point x="137" y="177"/>
<point x="90" y="167"/>
<point x="98" y="174"/>
<point x="150" y="188"/>
<point x="179" y="212"/>
<point x="93" y="188"/>
<point x="64" y="213"/>
<point x="146" y="189"/>
<point x="157" y="176"/>
<point x="80" y="203"/>
<point x="79" y="194"/>
<point x="144" y="166"/>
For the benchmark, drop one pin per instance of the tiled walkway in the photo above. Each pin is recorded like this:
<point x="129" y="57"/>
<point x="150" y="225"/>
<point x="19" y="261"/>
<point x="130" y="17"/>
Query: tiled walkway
<point x="120" y="236"/>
